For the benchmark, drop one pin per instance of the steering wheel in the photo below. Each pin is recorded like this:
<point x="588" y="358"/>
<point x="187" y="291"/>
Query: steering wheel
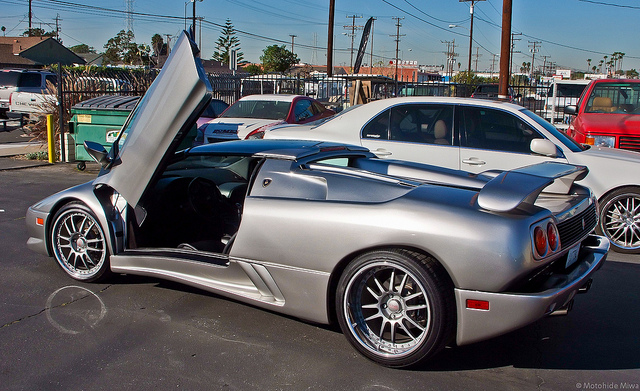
<point x="205" y="197"/>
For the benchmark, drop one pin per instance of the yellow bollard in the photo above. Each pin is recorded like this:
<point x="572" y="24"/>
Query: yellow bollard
<point x="51" y="139"/>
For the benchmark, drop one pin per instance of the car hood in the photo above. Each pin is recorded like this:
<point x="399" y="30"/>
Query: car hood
<point x="162" y="118"/>
<point x="610" y="154"/>
<point x="235" y="128"/>
<point x="614" y="124"/>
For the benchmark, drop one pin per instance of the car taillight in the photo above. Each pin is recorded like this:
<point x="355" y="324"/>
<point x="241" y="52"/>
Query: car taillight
<point x="552" y="236"/>
<point x="540" y="241"/>
<point x="545" y="238"/>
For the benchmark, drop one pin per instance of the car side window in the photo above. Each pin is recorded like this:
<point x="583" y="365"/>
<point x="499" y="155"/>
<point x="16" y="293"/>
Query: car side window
<point x="53" y="79"/>
<point x="497" y="130"/>
<point x="426" y="124"/>
<point x="378" y="128"/>
<point x="303" y="110"/>
<point x="30" y="80"/>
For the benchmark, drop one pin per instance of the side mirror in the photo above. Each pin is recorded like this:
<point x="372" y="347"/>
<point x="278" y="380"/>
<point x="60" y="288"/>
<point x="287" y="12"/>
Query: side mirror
<point x="571" y="110"/>
<point x="544" y="147"/>
<point x="97" y="152"/>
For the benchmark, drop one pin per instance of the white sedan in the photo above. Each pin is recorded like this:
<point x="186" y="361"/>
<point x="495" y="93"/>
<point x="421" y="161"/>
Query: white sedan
<point x="480" y="135"/>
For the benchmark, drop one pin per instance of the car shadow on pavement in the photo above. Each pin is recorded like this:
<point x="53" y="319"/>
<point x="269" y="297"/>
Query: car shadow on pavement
<point x="600" y="333"/>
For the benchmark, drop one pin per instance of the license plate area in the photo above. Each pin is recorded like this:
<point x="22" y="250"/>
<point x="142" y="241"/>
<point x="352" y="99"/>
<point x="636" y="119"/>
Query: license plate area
<point x="572" y="256"/>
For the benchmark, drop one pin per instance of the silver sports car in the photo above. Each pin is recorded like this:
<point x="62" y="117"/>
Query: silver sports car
<point x="405" y="257"/>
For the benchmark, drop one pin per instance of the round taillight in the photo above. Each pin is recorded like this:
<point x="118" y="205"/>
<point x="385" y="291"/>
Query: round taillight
<point x="540" y="241"/>
<point x="552" y="236"/>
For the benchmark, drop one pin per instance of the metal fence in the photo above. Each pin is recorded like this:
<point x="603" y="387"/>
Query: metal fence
<point x="337" y="92"/>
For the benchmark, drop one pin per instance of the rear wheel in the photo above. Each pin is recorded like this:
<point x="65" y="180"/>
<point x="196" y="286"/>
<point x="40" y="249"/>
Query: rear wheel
<point x="396" y="307"/>
<point x="79" y="243"/>
<point x="620" y="219"/>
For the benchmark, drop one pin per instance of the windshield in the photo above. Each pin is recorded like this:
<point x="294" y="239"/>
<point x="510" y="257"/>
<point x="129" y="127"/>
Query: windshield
<point x="568" y="142"/>
<point x="614" y="98"/>
<point x="262" y="109"/>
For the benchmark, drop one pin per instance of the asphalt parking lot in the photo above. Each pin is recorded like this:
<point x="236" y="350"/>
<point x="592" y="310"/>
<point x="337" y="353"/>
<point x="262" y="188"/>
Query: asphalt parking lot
<point x="144" y="333"/>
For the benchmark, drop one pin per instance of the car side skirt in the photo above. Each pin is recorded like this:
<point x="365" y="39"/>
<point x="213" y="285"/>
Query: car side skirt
<point x="510" y="311"/>
<point x="288" y="290"/>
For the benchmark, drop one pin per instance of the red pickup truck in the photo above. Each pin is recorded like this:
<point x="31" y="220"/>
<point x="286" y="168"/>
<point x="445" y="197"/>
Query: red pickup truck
<point x="608" y="114"/>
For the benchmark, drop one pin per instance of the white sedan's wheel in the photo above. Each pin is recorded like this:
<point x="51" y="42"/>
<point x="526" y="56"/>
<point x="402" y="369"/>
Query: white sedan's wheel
<point x="620" y="219"/>
<point x="79" y="243"/>
<point x="396" y="307"/>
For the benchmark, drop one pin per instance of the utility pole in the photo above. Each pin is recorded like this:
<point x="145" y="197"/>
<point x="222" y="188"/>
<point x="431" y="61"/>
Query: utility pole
<point x="30" y="14"/>
<point x="332" y="7"/>
<point x="544" y="65"/>
<point x="352" y="34"/>
<point x="397" y="36"/>
<point x="493" y="63"/>
<point x="534" y="49"/>
<point x="475" y="69"/>
<point x="503" y="87"/>
<point x="513" y="47"/>
<point x="293" y="36"/>
<point x="451" y="55"/>
<point x="470" y="37"/>
<point x="371" y="52"/>
<point x="57" y="19"/>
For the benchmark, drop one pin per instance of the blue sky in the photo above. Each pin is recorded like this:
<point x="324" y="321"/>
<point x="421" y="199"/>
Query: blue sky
<point x="567" y="32"/>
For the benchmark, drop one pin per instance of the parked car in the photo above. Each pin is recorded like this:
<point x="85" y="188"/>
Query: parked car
<point x="22" y="80"/>
<point x="490" y="91"/>
<point x="213" y="111"/>
<point x="561" y="93"/>
<point x="608" y="114"/>
<point x="476" y="135"/>
<point x="255" y="114"/>
<point x="406" y="257"/>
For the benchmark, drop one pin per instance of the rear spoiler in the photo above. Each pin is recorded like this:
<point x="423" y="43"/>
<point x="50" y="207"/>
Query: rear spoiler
<point x="511" y="189"/>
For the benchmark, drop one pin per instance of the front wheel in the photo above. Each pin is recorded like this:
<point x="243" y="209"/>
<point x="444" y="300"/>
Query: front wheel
<point x="620" y="219"/>
<point x="79" y="243"/>
<point x="396" y="307"/>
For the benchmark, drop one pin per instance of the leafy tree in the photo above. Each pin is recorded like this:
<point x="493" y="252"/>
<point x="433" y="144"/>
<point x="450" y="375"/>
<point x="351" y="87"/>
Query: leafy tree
<point x="226" y="42"/>
<point x="252" y="69"/>
<point x="38" y="32"/>
<point x="82" y="48"/>
<point x="121" y="48"/>
<point x="277" y="59"/>
<point x="632" y="74"/>
<point x="157" y="45"/>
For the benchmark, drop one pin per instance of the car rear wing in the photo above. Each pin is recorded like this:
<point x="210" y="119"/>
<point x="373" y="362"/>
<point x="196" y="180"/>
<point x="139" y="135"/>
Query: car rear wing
<point x="510" y="189"/>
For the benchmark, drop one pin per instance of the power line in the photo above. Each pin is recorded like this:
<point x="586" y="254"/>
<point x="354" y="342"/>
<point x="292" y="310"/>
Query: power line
<point x="610" y="4"/>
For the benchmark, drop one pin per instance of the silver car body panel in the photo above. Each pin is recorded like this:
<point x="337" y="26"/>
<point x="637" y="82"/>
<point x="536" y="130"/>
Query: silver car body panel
<point x="510" y="311"/>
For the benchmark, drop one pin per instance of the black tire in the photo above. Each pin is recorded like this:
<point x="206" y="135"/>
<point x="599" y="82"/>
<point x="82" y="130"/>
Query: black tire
<point x="620" y="219"/>
<point x="79" y="243"/>
<point x="402" y="326"/>
<point x="81" y="166"/>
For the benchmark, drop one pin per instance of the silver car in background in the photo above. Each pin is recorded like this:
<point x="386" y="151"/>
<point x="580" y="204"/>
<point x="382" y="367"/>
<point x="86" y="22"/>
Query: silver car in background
<point x="406" y="258"/>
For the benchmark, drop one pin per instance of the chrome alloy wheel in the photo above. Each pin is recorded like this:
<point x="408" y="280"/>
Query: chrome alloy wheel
<point x="621" y="221"/>
<point x="387" y="309"/>
<point x="79" y="243"/>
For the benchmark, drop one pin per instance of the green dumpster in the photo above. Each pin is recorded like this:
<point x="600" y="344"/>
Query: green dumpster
<point x="98" y="120"/>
